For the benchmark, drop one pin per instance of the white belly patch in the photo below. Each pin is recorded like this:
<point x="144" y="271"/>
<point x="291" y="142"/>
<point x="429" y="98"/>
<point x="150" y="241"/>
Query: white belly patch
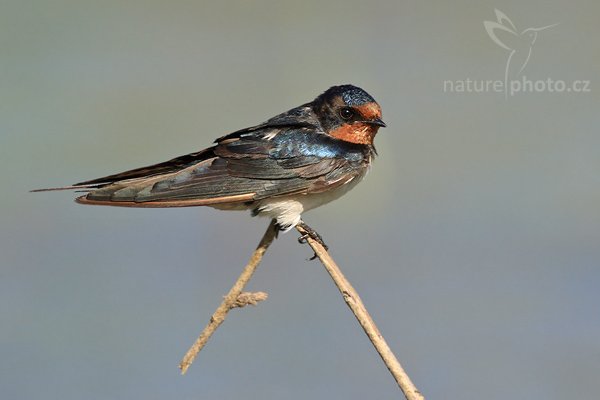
<point x="287" y="210"/>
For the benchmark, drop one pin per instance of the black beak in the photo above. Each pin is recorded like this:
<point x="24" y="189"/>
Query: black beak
<point x="376" y="122"/>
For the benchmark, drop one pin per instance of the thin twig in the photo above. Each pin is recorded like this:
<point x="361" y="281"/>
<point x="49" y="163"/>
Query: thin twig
<point x="232" y="299"/>
<point x="353" y="301"/>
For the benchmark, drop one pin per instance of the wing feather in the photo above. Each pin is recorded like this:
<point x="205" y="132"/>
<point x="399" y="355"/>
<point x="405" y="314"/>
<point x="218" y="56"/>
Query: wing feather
<point x="240" y="168"/>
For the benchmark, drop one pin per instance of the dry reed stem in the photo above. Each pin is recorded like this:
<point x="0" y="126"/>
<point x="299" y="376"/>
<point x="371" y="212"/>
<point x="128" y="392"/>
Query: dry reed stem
<point x="353" y="301"/>
<point x="233" y="299"/>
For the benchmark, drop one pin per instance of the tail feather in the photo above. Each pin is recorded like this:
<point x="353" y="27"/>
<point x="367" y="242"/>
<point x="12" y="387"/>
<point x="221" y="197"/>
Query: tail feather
<point x="167" y="167"/>
<point x="86" y="188"/>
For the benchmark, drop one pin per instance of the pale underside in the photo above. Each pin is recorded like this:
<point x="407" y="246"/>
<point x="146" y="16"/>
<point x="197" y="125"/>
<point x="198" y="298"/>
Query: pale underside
<point x="287" y="210"/>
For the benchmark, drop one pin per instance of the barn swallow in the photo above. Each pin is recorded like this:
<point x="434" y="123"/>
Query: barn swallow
<point x="293" y="162"/>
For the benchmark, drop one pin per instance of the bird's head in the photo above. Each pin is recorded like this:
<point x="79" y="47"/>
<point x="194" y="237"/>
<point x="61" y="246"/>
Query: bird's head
<point x="349" y="113"/>
<point x="531" y="34"/>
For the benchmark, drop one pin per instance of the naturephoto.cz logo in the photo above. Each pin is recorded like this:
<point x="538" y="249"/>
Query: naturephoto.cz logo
<point x="519" y="46"/>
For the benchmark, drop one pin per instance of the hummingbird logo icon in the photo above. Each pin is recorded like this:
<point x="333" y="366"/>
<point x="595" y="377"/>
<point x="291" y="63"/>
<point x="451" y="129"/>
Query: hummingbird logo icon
<point x="504" y="33"/>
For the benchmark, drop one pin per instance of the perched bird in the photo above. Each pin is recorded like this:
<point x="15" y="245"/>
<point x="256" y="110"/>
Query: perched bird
<point x="293" y="162"/>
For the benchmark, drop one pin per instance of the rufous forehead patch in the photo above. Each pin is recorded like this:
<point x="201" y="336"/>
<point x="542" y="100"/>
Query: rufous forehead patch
<point x="369" y="110"/>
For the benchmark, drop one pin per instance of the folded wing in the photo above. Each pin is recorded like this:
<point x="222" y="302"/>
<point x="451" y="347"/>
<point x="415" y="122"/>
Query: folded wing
<point x="242" y="168"/>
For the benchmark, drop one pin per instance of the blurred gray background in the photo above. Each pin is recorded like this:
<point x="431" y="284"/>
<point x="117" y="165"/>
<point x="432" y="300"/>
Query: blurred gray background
<point x="473" y="241"/>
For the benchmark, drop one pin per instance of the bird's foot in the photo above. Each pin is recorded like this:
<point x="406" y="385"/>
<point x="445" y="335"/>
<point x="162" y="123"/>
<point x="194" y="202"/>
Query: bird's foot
<point x="314" y="235"/>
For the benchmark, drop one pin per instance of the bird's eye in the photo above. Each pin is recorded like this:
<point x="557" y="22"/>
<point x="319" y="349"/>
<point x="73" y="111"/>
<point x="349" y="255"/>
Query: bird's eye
<point x="346" y="113"/>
